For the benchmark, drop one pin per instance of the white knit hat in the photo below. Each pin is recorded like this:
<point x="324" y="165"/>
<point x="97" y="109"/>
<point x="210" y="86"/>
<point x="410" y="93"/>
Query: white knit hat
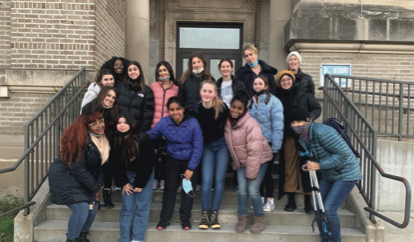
<point x="297" y="56"/>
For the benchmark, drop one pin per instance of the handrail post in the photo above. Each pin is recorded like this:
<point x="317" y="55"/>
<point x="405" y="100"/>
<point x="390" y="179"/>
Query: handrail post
<point x="26" y="170"/>
<point x="400" y="114"/>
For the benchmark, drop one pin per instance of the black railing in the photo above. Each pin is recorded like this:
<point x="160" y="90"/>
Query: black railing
<point x="363" y="135"/>
<point x="42" y="134"/>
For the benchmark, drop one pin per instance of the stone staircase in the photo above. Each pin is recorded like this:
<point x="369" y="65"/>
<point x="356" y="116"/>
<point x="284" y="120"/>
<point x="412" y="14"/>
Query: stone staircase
<point x="281" y="225"/>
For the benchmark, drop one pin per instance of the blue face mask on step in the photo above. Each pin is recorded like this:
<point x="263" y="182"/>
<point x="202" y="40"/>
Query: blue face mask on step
<point x="187" y="187"/>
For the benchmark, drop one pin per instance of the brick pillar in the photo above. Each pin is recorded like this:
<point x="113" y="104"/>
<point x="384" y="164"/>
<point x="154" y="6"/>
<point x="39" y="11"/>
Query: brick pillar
<point x="138" y="33"/>
<point x="280" y="13"/>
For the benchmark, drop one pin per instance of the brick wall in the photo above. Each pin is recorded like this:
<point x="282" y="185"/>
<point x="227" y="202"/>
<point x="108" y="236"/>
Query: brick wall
<point x="64" y="34"/>
<point x="18" y="109"/>
<point x="110" y="30"/>
<point x="382" y="66"/>
<point x="5" y="34"/>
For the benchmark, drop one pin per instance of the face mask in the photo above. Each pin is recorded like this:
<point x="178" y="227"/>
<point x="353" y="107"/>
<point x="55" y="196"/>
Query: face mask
<point x="187" y="187"/>
<point x="299" y="129"/>
<point x="259" y="93"/>
<point x="198" y="72"/>
<point x="96" y="135"/>
<point x="164" y="80"/>
<point x="123" y="134"/>
<point x="254" y="64"/>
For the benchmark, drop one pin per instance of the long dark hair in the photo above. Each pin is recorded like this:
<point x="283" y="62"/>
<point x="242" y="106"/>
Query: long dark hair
<point x="97" y="105"/>
<point x="129" y="143"/>
<point x="170" y="70"/>
<point x="74" y="139"/>
<point x="100" y="74"/>
<point x="267" y="91"/>
<point x="189" y="71"/>
<point x="141" y="78"/>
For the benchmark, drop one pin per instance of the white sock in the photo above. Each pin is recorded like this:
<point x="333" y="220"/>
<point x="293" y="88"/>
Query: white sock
<point x="270" y="200"/>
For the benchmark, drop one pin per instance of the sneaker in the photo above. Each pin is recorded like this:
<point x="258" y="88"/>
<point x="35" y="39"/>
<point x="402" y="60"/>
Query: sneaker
<point x="214" y="220"/>
<point x="162" y="225"/>
<point x="155" y="185"/>
<point x="162" y="184"/>
<point x="204" y="221"/>
<point x="185" y="224"/>
<point x="269" y="206"/>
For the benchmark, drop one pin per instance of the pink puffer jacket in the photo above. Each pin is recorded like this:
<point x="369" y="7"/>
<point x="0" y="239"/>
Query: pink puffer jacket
<point x="248" y="147"/>
<point x="161" y="97"/>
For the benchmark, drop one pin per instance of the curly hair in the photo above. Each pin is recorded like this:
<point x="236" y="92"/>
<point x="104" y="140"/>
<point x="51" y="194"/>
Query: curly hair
<point x="109" y="64"/>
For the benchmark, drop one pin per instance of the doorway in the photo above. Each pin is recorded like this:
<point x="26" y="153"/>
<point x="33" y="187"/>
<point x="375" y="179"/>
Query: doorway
<point x="215" y="40"/>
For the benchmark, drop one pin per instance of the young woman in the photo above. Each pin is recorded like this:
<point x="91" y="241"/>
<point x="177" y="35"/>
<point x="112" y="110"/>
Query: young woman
<point x="135" y="97"/>
<point x="106" y="103"/>
<point x="335" y="161"/>
<point x="290" y="173"/>
<point x="255" y="67"/>
<point x="117" y="65"/>
<point x="184" y="150"/>
<point x="250" y="152"/>
<point x="165" y="87"/>
<point x="77" y="175"/>
<point x="211" y="114"/>
<point x="132" y="162"/>
<point x="267" y="110"/>
<point x="227" y="84"/>
<point x="293" y="60"/>
<point x="195" y="74"/>
<point x="103" y="78"/>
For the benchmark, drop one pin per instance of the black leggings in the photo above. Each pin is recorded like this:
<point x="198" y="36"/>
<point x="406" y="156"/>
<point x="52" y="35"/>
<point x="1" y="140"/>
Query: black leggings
<point x="268" y="180"/>
<point x="160" y="146"/>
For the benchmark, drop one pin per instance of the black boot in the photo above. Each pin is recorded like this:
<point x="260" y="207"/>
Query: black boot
<point x="72" y="240"/>
<point x="291" y="205"/>
<point x="82" y="237"/>
<point x="308" y="205"/>
<point x="107" y="198"/>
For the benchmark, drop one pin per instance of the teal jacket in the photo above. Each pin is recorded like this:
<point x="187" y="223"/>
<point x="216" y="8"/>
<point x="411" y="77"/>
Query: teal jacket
<point x="334" y="156"/>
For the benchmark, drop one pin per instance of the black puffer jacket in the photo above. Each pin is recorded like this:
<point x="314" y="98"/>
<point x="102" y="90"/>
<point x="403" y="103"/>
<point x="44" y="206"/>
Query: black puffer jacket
<point x="246" y="74"/>
<point x="236" y="85"/>
<point x="143" y="165"/>
<point x="305" y="80"/>
<point x="139" y="104"/>
<point x="189" y="91"/>
<point x="79" y="182"/>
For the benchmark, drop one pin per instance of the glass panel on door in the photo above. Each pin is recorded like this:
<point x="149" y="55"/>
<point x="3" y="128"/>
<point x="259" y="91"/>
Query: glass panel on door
<point x="209" y="38"/>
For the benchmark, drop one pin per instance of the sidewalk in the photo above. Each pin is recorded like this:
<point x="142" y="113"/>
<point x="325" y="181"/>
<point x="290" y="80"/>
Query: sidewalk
<point x="394" y="234"/>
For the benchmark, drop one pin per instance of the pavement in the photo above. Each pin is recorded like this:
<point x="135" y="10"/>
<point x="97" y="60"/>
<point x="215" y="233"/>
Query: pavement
<point x="394" y="234"/>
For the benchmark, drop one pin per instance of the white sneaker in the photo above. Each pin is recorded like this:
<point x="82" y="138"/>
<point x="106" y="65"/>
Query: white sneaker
<point x="162" y="184"/>
<point x="155" y="185"/>
<point x="269" y="206"/>
<point x="263" y="203"/>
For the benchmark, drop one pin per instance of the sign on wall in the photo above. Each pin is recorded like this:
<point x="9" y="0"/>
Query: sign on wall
<point x="335" y="69"/>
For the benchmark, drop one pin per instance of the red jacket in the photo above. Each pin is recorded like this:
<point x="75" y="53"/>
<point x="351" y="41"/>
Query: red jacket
<point x="161" y="97"/>
<point x="247" y="146"/>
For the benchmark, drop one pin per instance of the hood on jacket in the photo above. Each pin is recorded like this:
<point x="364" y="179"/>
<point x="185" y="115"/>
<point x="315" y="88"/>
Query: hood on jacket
<point x="94" y="88"/>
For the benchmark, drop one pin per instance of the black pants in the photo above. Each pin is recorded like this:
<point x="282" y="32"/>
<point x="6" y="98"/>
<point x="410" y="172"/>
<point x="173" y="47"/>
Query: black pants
<point x="268" y="179"/>
<point x="173" y="169"/>
<point x="108" y="177"/>
<point x="160" y="157"/>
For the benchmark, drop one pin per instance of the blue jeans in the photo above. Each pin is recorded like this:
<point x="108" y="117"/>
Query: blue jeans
<point x="333" y="194"/>
<point x="81" y="219"/>
<point x="215" y="160"/>
<point x="252" y="189"/>
<point x="142" y="202"/>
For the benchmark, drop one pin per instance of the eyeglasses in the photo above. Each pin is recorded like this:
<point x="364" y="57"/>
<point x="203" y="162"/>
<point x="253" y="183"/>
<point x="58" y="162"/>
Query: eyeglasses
<point x="95" y="124"/>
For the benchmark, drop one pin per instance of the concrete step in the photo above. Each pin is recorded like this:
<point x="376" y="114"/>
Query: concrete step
<point x="55" y="230"/>
<point x="229" y="197"/>
<point x="228" y="215"/>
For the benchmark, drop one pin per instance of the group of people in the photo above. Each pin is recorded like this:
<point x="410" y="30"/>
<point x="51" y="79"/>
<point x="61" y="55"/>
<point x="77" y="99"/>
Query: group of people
<point x="170" y="133"/>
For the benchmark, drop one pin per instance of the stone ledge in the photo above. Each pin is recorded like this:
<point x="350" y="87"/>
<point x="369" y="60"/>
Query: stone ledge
<point x="353" y="48"/>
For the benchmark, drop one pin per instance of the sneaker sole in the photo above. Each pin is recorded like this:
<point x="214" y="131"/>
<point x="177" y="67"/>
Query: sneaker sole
<point x="203" y="226"/>
<point x="186" y="228"/>
<point x="161" y="228"/>
<point x="217" y="226"/>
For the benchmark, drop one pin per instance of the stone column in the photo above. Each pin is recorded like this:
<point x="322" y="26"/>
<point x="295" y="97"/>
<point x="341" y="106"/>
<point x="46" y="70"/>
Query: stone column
<point x="280" y="13"/>
<point x="138" y="33"/>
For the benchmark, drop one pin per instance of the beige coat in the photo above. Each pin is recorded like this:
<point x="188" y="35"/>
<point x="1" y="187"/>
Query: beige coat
<point x="248" y="147"/>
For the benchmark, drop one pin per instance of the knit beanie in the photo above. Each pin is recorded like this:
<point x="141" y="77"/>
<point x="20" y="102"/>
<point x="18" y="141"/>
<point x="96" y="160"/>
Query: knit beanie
<point x="299" y="114"/>
<point x="281" y="74"/>
<point x="295" y="53"/>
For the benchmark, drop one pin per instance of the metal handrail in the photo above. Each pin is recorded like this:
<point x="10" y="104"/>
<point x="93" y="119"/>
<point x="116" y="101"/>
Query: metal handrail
<point x="351" y="116"/>
<point x="390" y="100"/>
<point x="42" y="133"/>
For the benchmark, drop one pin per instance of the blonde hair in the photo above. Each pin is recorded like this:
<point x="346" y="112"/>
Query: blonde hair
<point x="252" y="48"/>
<point x="217" y="103"/>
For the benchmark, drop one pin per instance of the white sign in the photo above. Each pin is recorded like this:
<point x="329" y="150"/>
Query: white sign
<point x="335" y="69"/>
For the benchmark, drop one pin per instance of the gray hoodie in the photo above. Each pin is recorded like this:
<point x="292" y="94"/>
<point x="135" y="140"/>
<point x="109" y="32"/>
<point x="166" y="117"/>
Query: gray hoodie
<point x="91" y="94"/>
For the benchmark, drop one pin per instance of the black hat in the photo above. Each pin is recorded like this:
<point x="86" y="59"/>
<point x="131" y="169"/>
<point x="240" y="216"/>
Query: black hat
<point x="299" y="114"/>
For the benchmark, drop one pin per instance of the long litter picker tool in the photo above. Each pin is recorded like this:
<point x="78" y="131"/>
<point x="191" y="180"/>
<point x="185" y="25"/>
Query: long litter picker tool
<point x="318" y="204"/>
